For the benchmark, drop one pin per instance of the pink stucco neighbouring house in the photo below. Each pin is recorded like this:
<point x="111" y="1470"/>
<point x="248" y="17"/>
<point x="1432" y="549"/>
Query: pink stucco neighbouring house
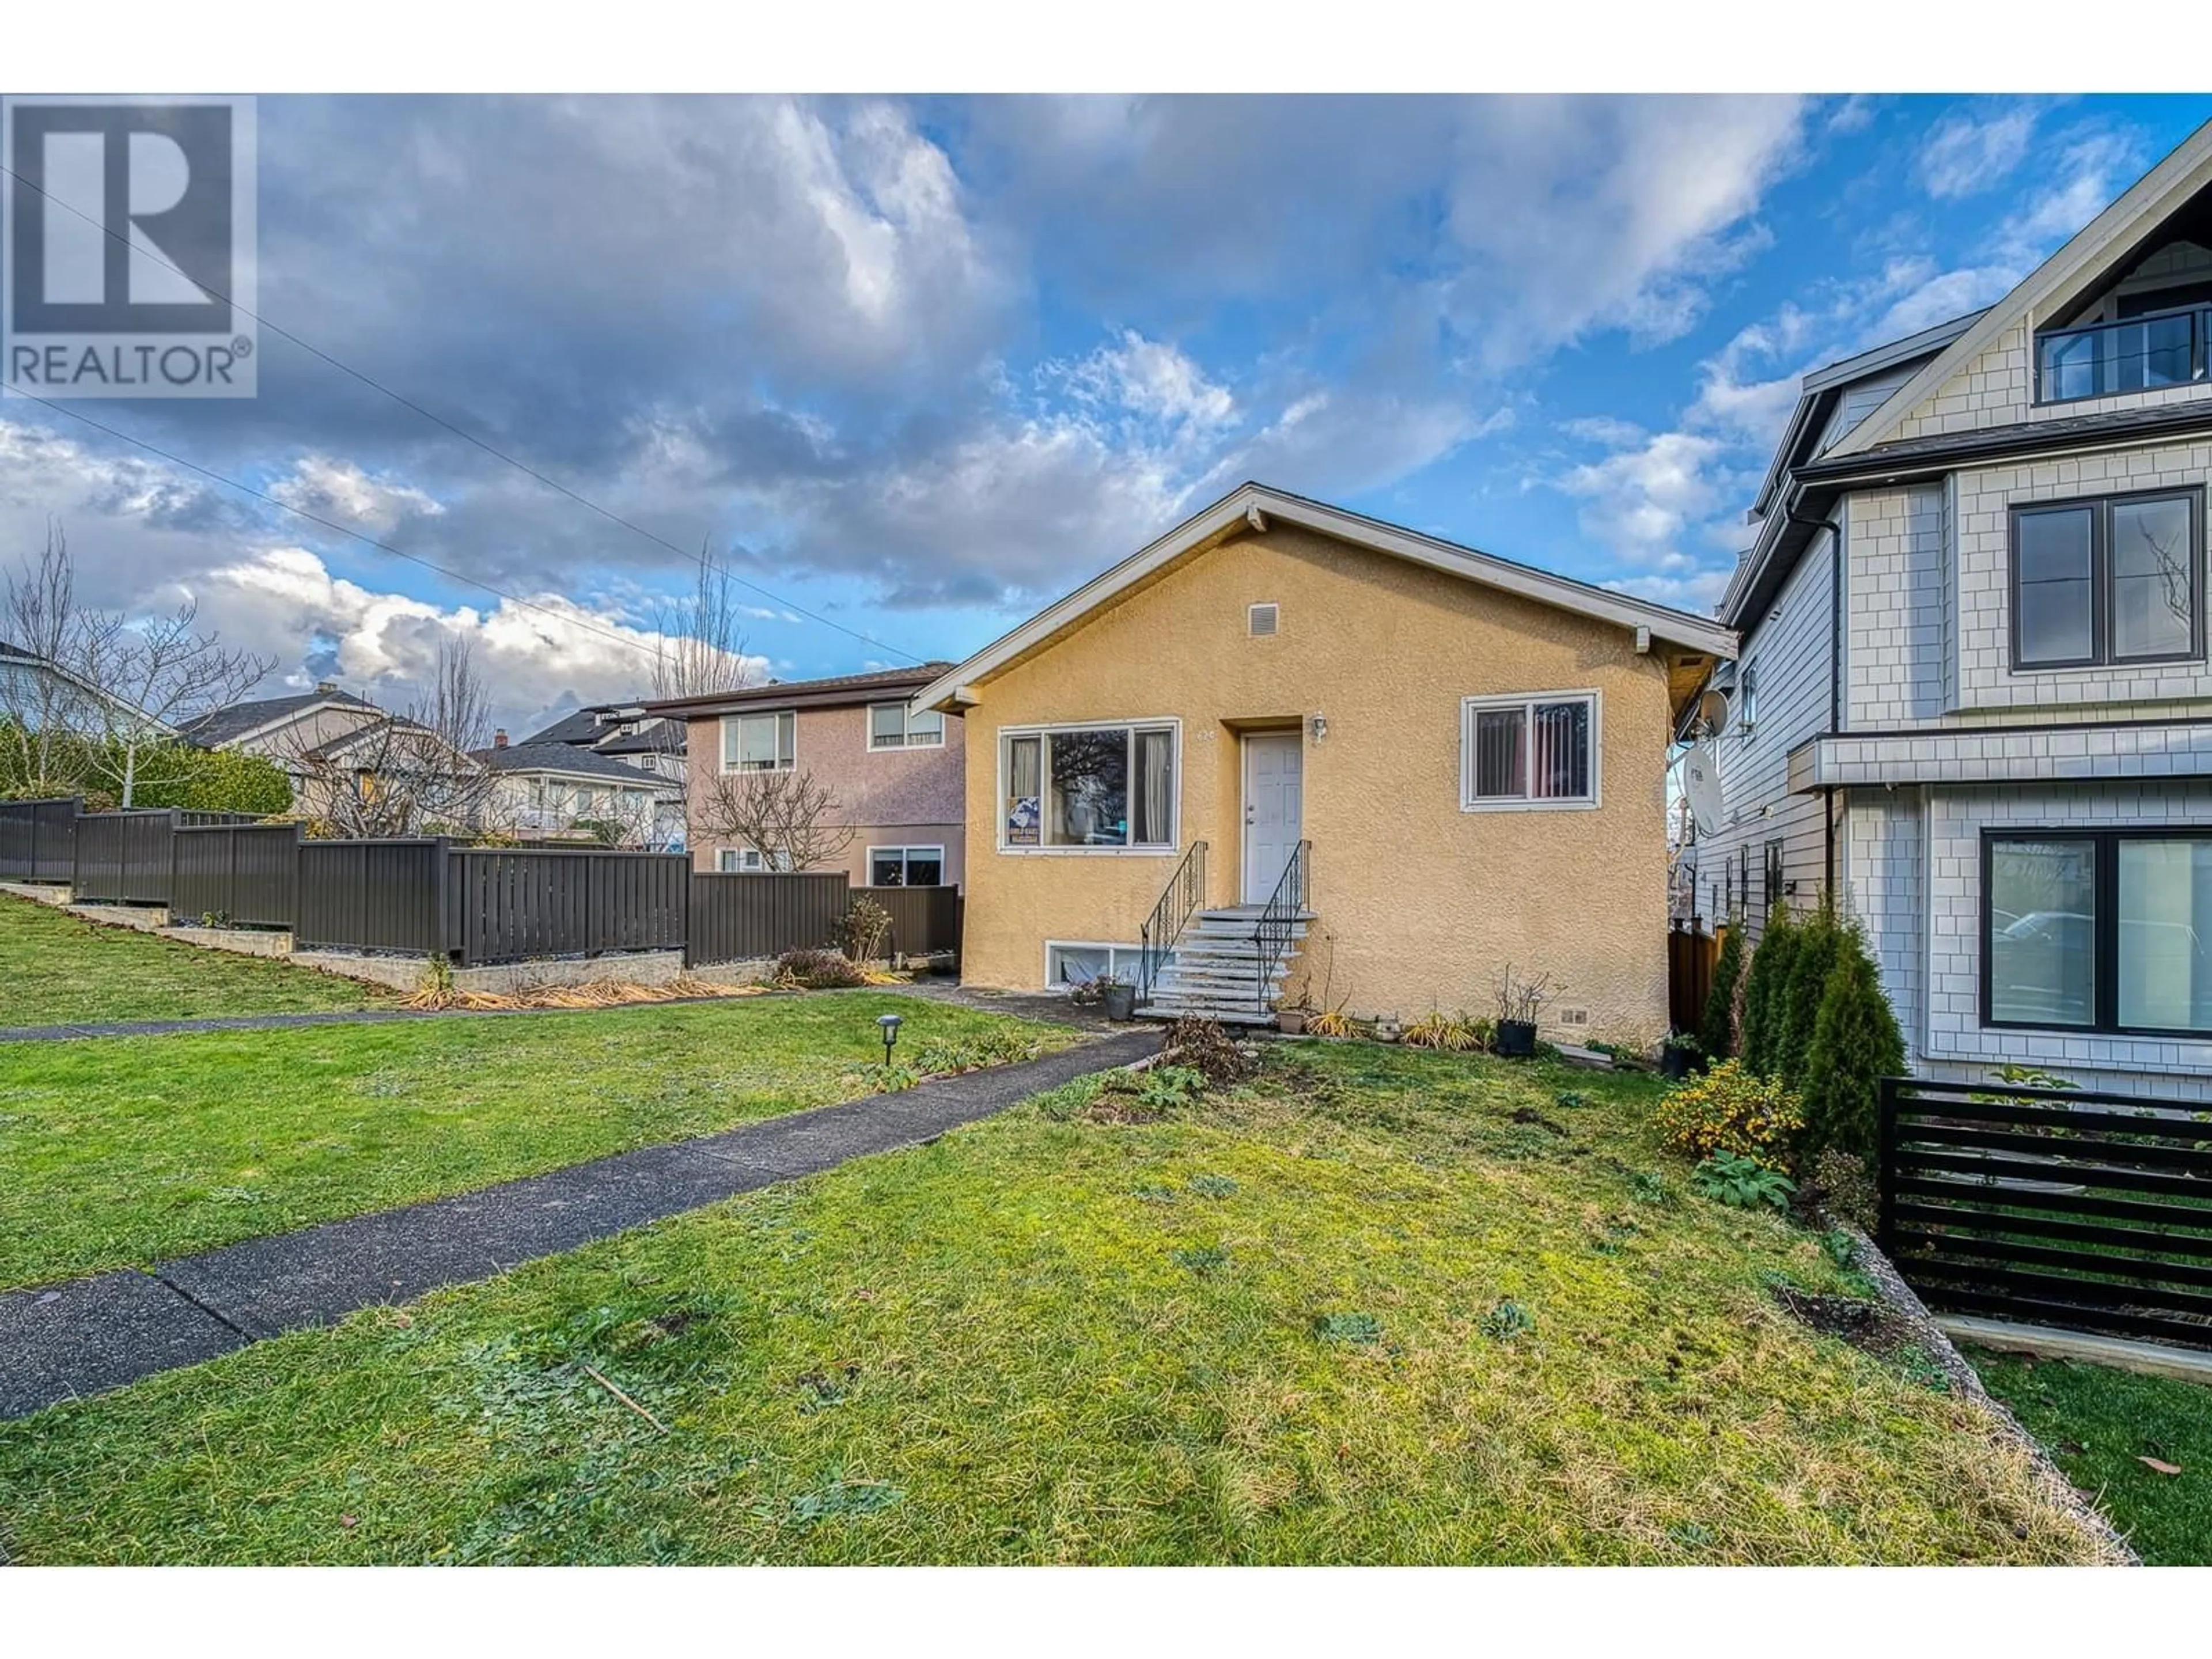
<point x="899" y="779"/>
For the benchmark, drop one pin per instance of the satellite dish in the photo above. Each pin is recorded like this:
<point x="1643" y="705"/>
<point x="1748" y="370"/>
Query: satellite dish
<point x="1713" y="712"/>
<point x="1701" y="786"/>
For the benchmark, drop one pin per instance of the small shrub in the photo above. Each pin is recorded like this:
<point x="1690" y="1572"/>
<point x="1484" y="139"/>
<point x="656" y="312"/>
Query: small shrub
<point x="864" y="931"/>
<point x="1856" y="1043"/>
<point x="1840" y="1184"/>
<point x="1204" y="1047"/>
<point x="1169" y="1086"/>
<point x="1507" y="1320"/>
<point x="1729" y="1109"/>
<point x="1812" y="963"/>
<point x="1359" y="1329"/>
<point x="1767" y="979"/>
<point x="818" y="971"/>
<point x="1452" y="1033"/>
<point x="1716" y="1032"/>
<point x="1330" y="1023"/>
<point x="1742" y="1184"/>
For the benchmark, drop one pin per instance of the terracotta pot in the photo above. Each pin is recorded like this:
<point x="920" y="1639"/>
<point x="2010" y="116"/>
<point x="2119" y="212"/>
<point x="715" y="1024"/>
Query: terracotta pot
<point x="1291" y="1022"/>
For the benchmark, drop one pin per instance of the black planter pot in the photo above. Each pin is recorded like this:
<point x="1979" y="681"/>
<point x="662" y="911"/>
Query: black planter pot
<point x="1516" y="1039"/>
<point x="1676" y="1063"/>
<point x="1121" y="1002"/>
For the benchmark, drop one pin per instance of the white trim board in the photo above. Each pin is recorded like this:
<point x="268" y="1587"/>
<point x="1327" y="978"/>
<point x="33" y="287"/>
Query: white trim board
<point x="958" y="687"/>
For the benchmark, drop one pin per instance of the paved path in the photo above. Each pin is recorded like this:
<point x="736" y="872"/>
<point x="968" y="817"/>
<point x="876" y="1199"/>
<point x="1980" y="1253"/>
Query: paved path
<point x="92" y="1335"/>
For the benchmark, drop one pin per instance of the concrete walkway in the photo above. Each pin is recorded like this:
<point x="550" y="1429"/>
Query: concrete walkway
<point x="92" y="1335"/>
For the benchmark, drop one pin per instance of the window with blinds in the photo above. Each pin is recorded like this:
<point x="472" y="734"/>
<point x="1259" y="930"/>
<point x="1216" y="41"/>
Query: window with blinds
<point x="1529" y="752"/>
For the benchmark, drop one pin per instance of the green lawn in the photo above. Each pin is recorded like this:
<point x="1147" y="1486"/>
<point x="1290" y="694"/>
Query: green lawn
<point x="122" y="1151"/>
<point x="1269" y="1327"/>
<point x="2100" y="1424"/>
<point x="55" y="970"/>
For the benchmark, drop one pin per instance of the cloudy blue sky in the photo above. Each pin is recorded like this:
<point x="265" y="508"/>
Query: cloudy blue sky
<point x="921" y="366"/>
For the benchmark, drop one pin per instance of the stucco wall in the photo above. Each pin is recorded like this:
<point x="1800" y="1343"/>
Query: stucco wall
<point x="1422" y="903"/>
<point x="893" y="797"/>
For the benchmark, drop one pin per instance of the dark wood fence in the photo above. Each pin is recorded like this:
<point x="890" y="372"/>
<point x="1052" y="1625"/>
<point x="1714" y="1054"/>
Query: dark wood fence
<point x="738" y="918"/>
<point x="38" y="839"/>
<point x="925" y="920"/>
<point x="510" y="905"/>
<point x="2064" y="1208"/>
<point x="247" y="875"/>
<point x="373" y="895"/>
<point x="1691" y="958"/>
<point x="124" y="857"/>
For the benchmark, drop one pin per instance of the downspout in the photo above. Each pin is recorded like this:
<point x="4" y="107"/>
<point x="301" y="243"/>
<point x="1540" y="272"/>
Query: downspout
<point x="1835" y="679"/>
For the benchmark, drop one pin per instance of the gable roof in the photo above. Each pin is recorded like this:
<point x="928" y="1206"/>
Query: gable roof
<point x="2057" y="280"/>
<point x="838" y="690"/>
<point x="579" y="726"/>
<point x="1256" y="505"/>
<point x="571" y="760"/>
<point x="239" y="720"/>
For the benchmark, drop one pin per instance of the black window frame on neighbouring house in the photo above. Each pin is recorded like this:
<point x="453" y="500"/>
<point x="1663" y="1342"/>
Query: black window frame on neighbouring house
<point x="2100" y="509"/>
<point x="1771" y="877"/>
<point x="2105" y="920"/>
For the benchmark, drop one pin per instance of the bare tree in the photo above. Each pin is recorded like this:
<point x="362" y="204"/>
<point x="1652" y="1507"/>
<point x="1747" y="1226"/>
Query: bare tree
<point x="120" y="685"/>
<point x="408" y="774"/>
<point x="701" y="652"/>
<point x="790" y="818"/>
<point x="41" y="704"/>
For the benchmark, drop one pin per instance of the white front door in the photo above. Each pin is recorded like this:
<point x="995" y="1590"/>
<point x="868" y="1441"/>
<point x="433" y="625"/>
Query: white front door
<point x="1274" y="792"/>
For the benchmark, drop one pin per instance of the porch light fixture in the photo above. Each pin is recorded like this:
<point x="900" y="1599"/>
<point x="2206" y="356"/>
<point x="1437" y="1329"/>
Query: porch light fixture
<point x="1319" y="724"/>
<point x="888" y="1024"/>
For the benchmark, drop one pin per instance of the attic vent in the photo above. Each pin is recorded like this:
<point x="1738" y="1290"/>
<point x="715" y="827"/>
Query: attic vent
<point x="1260" y="620"/>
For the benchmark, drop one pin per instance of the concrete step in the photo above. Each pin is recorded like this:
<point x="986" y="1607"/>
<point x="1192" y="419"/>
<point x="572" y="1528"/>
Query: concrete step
<point x="1227" y="1014"/>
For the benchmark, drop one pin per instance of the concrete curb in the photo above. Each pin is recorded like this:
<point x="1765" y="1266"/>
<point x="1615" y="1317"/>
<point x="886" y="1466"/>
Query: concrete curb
<point x="1902" y="1301"/>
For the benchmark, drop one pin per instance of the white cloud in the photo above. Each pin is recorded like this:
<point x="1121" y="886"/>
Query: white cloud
<point x="1643" y="500"/>
<point x="1148" y="379"/>
<point x="1969" y="152"/>
<point x="342" y="491"/>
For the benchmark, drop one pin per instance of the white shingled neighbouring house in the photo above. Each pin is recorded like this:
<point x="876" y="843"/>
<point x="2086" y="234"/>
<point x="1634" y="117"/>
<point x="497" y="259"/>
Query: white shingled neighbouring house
<point x="1972" y="699"/>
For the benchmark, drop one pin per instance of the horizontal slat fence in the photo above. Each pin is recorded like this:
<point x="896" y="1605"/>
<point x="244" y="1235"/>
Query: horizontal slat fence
<point x="38" y="839"/>
<point x="373" y="895"/>
<point x="2080" y="1211"/>
<point x="124" y="857"/>
<point x="246" y="874"/>
<point x="738" y="918"/>
<point x="925" y="920"/>
<point x="509" y="905"/>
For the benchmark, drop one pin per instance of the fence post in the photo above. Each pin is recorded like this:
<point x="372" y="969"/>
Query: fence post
<point x="1886" y="1174"/>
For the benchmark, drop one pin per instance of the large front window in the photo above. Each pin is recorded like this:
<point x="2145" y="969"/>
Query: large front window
<point x="1529" y="751"/>
<point x="759" y="743"/>
<point x="2111" y="930"/>
<point x="2113" y="580"/>
<point x="1092" y="788"/>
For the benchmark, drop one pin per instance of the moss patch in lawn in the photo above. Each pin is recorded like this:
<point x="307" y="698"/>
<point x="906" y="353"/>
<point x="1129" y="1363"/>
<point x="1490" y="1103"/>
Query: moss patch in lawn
<point x="997" y="1348"/>
<point x="122" y="1151"/>
<point x="2100" y="1425"/>
<point x="59" y="969"/>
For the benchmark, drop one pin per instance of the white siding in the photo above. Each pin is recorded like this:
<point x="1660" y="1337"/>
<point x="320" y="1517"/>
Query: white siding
<point x="1790" y="653"/>
<point x="1895" y="607"/>
<point x="1860" y="399"/>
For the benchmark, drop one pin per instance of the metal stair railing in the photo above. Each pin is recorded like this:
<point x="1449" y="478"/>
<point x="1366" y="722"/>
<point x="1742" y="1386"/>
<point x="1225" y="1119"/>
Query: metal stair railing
<point x="1183" y="898"/>
<point x="1272" y="934"/>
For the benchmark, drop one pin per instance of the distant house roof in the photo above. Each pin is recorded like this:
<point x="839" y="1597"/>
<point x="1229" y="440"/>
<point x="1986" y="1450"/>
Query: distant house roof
<point x="581" y="727"/>
<point x="836" y="692"/>
<point x="571" y="761"/>
<point x="213" y="730"/>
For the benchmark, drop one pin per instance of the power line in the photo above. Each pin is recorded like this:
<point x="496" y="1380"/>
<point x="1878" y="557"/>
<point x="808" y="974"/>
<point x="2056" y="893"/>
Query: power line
<point x="461" y="433"/>
<point x="561" y="616"/>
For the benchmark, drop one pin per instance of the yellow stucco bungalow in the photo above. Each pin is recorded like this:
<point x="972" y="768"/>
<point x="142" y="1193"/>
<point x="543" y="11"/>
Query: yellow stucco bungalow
<point x="1288" y="754"/>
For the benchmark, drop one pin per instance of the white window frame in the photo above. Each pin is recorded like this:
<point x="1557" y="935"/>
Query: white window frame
<point x="1169" y="723"/>
<point x="1113" y="950"/>
<point x="777" y="715"/>
<point x="1470" y="707"/>
<point x="730" y="861"/>
<point x="906" y="731"/>
<point x="1747" y="719"/>
<point x="906" y="855"/>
